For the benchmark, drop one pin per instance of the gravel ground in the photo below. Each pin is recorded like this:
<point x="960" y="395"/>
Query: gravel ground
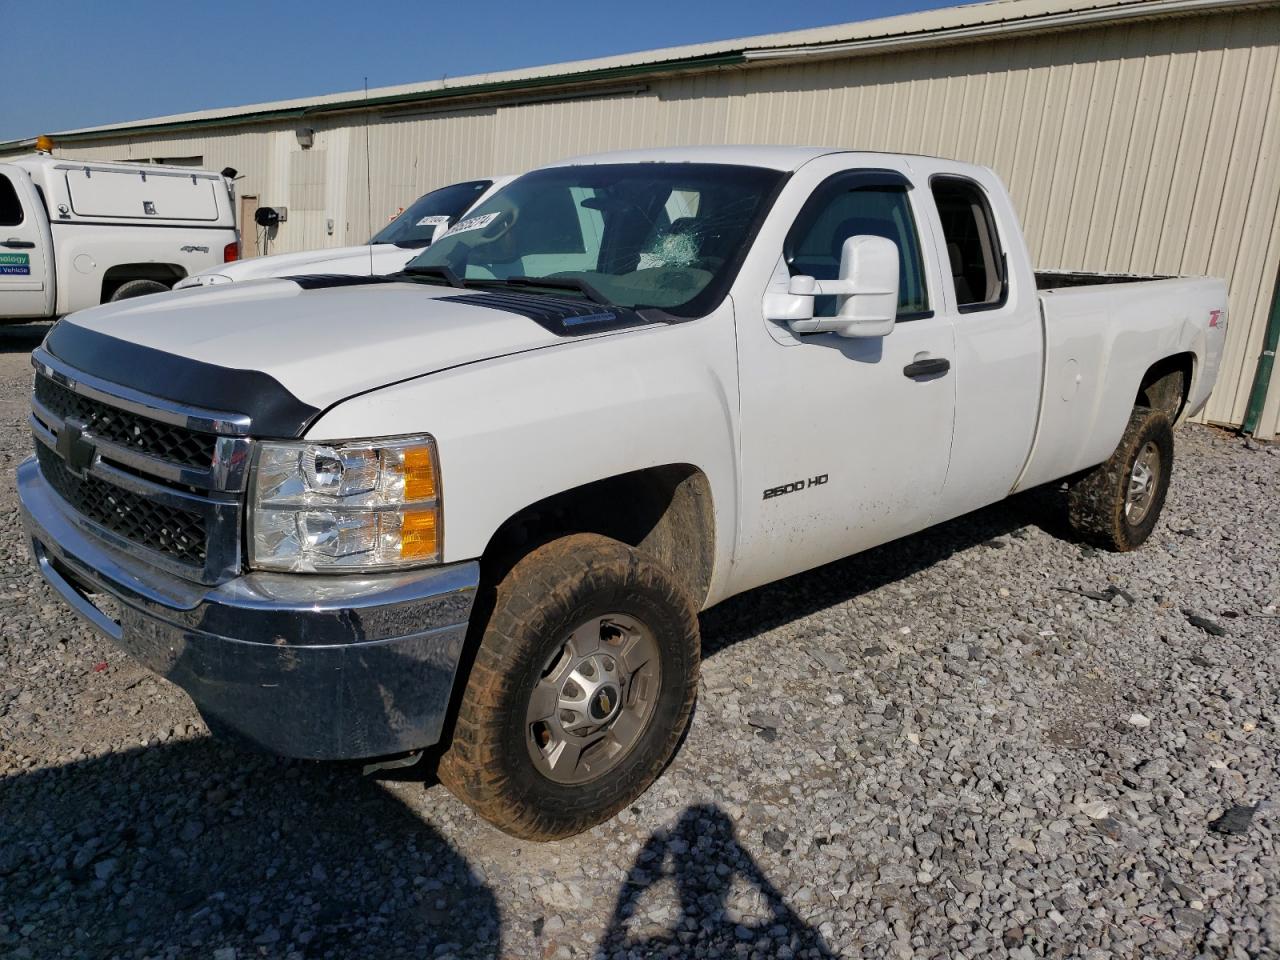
<point x="982" y="741"/>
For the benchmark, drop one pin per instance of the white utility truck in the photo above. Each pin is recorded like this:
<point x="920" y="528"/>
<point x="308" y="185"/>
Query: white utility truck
<point x="386" y="252"/>
<point x="77" y="233"/>
<point x="480" y="503"/>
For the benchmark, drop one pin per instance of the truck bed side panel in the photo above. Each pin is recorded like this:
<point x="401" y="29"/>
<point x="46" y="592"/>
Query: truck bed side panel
<point x="1099" y="342"/>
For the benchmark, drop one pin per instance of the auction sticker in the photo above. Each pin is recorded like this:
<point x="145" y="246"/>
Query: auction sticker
<point x="432" y="221"/>
<point x="15" y="265"/>
<point x="473" y="223"/>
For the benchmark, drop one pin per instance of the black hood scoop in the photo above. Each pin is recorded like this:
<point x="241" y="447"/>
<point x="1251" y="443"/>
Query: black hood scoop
<point x="559" y="315"/>
<point x="322" y="281"/>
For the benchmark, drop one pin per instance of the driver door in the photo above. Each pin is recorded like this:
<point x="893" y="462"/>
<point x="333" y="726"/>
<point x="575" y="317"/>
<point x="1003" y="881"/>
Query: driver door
<point x="26" y="247"/>
<point x="843" y="448"/>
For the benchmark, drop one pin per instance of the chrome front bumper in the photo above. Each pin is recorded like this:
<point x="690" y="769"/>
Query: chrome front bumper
<point x="320" y="667"/>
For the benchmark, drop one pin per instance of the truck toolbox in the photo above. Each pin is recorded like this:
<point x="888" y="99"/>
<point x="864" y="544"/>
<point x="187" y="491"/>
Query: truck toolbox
<point x="142" y="194"/>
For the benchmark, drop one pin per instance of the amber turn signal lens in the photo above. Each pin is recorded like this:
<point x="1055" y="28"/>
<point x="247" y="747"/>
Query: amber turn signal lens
<point x="418" y="535"/>
<point x="419" y="474"/>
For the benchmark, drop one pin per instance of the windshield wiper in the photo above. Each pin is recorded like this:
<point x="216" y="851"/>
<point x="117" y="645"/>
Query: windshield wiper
<point x="561" y="283"/>
<point x="439" y="272"/>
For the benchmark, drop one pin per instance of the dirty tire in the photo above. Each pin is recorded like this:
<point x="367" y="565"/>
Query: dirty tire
<point x="1096" y="501"/>
<point x="545" y="596"/>
<point x="138" y="288"/>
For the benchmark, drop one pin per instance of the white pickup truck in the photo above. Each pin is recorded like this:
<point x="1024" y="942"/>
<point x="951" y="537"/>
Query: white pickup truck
<point x="386" y="252"/>
<point x="75" y="233"/>
<point x="481" y="503"/>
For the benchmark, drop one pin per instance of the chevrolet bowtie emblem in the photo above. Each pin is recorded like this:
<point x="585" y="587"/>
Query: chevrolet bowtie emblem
<point x="74" y="449"/>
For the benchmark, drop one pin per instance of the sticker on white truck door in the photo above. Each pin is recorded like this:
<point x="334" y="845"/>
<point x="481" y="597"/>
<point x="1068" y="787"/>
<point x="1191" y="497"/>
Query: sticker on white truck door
<point x="15" y="264"/>
<point x="473" y="223"/>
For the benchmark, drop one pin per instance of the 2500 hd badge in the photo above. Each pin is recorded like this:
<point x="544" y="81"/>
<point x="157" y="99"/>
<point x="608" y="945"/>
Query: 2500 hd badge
<point x="795" y="485"/>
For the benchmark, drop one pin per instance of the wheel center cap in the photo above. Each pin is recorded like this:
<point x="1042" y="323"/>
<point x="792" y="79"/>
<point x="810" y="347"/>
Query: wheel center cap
<point x="604" y="704"/>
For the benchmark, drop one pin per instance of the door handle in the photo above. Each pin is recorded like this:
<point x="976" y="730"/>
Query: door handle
<point x="17" y="244"/>
<point x="932" y="366"/>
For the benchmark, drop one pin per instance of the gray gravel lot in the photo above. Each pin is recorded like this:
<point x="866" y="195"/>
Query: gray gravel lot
<point x="982" y="741"/>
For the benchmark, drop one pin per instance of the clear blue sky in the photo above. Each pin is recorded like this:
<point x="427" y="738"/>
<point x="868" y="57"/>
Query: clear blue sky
<point x="75" y="64"/>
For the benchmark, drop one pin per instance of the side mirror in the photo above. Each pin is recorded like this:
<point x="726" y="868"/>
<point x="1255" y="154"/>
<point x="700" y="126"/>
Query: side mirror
<point x="866" y="293"/>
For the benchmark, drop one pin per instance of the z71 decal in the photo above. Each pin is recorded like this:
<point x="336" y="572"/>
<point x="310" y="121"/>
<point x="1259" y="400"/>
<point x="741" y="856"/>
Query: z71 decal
<point x="794" y="486"/>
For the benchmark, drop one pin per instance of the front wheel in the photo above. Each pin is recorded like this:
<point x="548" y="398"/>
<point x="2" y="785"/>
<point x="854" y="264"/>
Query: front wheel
<point x="582" y="686"/>
<point x="1117" y="503"/>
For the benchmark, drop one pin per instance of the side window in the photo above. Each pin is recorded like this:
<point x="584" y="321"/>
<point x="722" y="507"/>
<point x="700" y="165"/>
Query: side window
<point x="843" y="208"/>
<point x="976" y="258"/>
<point x="10" y="207"/>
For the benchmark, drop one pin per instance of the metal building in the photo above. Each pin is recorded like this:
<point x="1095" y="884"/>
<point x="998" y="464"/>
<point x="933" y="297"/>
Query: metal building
<point x="1135" y="135"/>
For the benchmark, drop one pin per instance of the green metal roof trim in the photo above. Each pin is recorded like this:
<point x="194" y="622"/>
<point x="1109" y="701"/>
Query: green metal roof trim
<point x="733" y="58"/>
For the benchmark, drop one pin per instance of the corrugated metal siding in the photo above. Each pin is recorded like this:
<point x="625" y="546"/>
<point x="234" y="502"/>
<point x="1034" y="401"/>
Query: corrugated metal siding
<point x="1147" y="147"/>
<point x="410" y="156"/>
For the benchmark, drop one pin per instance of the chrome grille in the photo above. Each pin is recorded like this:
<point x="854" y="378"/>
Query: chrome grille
<point x="161" y="440"/>
<point x="141" y="473"/>
<point x="180" y="534"/>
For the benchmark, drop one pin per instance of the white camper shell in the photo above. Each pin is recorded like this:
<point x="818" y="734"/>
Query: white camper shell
<point x="74" y="233"/>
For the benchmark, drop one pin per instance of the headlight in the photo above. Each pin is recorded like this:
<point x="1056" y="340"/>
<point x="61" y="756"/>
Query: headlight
<point x="201" y="280"/>
<point x="345" y="507"/>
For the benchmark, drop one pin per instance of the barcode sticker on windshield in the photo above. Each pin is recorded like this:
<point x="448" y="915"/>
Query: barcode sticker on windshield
<point x="473" y="223"/>
<point x="432" y="221"/>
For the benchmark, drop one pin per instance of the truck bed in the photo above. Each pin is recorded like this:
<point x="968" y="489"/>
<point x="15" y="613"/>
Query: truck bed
<point x="1061" y="279"/>
<point x="1101" y="333"/>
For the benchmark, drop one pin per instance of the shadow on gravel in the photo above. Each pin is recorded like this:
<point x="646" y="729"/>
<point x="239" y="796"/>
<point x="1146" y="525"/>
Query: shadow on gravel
<point x="699" y="865"/>
<point x="197" y="846"/>
<point x="21" y="337"/>
<point x="765" y="608"/>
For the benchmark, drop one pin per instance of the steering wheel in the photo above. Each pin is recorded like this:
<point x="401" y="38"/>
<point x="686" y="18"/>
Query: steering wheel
<point x="501" y="226"/>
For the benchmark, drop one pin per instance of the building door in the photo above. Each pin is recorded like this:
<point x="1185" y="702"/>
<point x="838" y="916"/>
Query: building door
<point x="248" y="229"/>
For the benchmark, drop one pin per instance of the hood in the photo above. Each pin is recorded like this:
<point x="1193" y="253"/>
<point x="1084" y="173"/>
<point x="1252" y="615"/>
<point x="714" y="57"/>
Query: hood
<point x="219" y="347"/>
<point x="386" y="258"/>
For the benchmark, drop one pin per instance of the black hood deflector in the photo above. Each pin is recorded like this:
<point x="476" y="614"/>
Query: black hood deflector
<point x="275" y="411"/>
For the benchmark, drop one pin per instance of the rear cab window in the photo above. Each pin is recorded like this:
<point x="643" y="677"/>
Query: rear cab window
<point x="976" y="261"/>
<point x="855" y="203"/>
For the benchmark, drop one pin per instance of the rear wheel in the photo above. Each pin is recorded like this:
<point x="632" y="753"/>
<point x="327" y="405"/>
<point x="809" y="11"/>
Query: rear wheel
<point x="1117" y="503"/>
<point x="138" y="288"/>
<point x="582" y="686"/>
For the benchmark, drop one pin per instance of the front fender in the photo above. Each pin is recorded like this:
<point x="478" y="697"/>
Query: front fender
<point x="515" y="430"/>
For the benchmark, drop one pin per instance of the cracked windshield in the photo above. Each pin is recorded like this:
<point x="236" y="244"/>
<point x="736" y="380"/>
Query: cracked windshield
<point x="661" y="235"/>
